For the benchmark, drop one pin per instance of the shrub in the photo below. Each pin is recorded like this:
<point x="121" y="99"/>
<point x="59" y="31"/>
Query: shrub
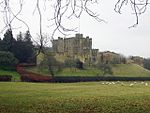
<point x="5" y="78"/>
<point x="106" y="69"/>
<point x="7" y="60"/>
<point x="73" y="63"/>
<point x="79" y="64"/>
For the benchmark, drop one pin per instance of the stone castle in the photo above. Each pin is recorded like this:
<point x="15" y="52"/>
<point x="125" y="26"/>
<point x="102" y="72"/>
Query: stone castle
<point x="77" y="47"/>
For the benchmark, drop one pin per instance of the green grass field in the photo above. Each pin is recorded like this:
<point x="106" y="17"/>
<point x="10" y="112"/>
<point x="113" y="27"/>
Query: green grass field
<point x="15" y="75"/>
<point x="89" y="97"/>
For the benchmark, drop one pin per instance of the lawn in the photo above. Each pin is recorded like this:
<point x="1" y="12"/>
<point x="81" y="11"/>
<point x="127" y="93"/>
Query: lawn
<point x="88" y="97"/>
<point x="15" y="75"/>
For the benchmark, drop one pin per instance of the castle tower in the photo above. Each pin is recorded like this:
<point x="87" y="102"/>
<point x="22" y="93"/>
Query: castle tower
<point x="75" y="47"/>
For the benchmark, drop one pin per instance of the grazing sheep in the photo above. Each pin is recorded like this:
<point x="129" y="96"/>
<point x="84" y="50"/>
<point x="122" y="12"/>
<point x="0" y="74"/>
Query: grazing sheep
<point x="146" y="84"/>
<point x="103" y="83"/>
<point x="113" y="82"/>
<point x="107" y="83"/>
<point x="142" y="82"/>
<point x="131" y="85"/>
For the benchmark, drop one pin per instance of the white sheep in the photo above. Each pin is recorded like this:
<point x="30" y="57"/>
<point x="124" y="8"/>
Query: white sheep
<point x="142" y="82"/>
<point x="113" y="82"/>
<point x="103" y="83"/>
<point x="146" y="84"/>
<point x="131" y="85"/>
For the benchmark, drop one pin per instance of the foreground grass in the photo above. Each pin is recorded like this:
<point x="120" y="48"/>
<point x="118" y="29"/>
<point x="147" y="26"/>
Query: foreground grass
<point x="14" y="74"/>
<point x="90" y="97"/>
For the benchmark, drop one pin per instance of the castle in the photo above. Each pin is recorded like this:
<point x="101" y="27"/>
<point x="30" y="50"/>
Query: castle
<point x="77" y="47"/>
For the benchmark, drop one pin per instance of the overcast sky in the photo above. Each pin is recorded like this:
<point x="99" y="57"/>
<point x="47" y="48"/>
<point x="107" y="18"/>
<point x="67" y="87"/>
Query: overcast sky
<point x="113" y="36"/>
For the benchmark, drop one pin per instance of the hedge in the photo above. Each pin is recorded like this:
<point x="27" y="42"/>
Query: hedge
<point x="88" y="79"/>
<point x="5" y="78"/>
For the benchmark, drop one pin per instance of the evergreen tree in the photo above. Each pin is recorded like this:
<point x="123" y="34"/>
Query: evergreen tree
<point x="20" y="37"/>
<point x="8" y="41"/>
<point x="24" y="49"/>
<point x="27" y="38"/>
<point x="1" y="44"/>
<point x="147" y="63"/>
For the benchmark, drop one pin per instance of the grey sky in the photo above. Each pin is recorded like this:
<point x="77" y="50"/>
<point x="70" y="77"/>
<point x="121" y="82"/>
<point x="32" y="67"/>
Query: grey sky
<point x="113" y="35"/>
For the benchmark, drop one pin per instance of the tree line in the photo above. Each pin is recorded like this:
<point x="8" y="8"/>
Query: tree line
<point x="16" y="50"/>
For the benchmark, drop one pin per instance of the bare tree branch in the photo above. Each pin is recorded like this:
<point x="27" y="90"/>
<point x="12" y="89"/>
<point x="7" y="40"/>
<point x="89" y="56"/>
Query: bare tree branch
<point x="138" y="7"/>
<point x="63" y="10"/>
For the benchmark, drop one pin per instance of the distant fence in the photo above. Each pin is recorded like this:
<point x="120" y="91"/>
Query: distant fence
<point x="5" y="78"/>
<point x="88" y="79"/>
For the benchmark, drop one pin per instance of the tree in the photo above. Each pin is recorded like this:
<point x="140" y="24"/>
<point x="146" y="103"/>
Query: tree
<point x="70" y="63"/>
<point x="105" y="68"/>
<point x="147" y="63"/>
<point x="23" y="48"/>
<point x="138" y="7"/>
<point x="19" y="36"/>
<point x="27" y="38"/>
<point x="65" y="9"/>
<point x="1" y="44"/>
<point x="49" y="62"/>
<point x="8" y="41"/>
<point x="79" y="64"/>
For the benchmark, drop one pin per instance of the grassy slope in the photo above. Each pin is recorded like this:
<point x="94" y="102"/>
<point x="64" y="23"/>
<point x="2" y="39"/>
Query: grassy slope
<point x="90" y="97"/>
<point x="68" y="72"/>
<point x="34" y="69"/>
<point x="130" y="70"/>
<point x="78" y="72"/>
<point x="15" y="75"/>
<point x="118" y="70"/>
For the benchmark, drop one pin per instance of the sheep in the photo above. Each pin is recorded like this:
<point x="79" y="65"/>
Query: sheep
<point x="142" y="82"/>
<point x="146" y="84"/>
<point x="131" y="85"/>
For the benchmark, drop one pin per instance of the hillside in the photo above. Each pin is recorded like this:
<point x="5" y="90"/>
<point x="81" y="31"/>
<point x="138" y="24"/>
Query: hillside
<point x="130" y="70"/>
<point x="126" y="70"/>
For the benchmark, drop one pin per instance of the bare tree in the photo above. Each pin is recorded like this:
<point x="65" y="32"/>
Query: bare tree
<point x="138" y="7"/>
<point x="64" y="9"/>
